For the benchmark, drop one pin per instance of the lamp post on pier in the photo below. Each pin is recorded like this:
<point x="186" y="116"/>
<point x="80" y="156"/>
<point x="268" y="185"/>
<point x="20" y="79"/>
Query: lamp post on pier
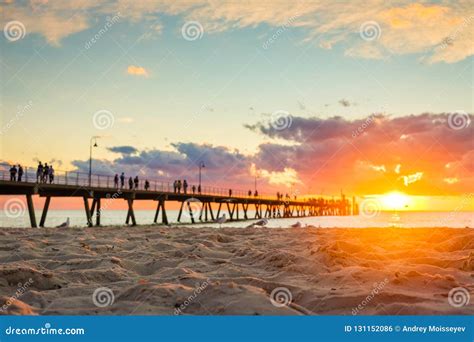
<point x="201" y="166"/>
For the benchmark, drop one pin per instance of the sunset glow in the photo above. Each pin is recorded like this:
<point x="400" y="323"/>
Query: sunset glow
<point x="307" y="99"/>
<point x="395" y="201"/>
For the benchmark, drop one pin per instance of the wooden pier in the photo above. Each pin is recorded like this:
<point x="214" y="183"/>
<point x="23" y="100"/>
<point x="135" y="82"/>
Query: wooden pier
<point x="206" y="206"/>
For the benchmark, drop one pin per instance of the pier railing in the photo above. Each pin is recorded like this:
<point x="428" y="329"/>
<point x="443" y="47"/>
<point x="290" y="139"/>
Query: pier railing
<point x="75" y="178"/>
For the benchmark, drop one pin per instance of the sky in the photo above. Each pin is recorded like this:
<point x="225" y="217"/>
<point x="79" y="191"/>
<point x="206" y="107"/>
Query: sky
<point x="310" y="97"/>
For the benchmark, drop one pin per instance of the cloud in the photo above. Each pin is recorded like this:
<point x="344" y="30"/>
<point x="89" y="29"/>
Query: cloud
<point x="153" y="31"/>
<point x="223" y="167"/>
<point x="380" y="168"/>
<point x="137" y="71"/>
<point x="55" y="162"/>
<point x="53" y="25"/>
<point x="405" y="27"/>
<point x="325" y="151"/>
<point x="288" y="177"/>
<point x="422" y="28"/>
<point x="321" y="153"/>
<point x="126" y="150"/>
<point x="366" y="50"/>
<point x="409" y="179"/>
<point x="451" y="180"/>
<point x="344" y="102"/>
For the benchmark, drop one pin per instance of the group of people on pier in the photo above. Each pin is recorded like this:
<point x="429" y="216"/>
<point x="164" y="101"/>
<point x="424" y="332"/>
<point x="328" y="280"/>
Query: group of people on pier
<point x="133" y="183"/>
<point x="178" y="185"/>
<point x="255" y="194"/>
<point x="287" y="197"/>
<point x="44" y="173"/>
<point x="16" y="174"/>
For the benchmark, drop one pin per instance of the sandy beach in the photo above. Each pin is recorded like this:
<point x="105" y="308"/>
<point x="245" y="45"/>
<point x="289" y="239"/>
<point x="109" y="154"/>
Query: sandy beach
<point x="234" y="271"/>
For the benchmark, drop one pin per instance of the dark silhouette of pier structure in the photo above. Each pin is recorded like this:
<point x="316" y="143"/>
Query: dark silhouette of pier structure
<point x="207" y="206"/>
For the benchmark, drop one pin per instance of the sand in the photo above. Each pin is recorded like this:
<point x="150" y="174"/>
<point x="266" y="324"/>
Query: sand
<point x="234" y="271"/>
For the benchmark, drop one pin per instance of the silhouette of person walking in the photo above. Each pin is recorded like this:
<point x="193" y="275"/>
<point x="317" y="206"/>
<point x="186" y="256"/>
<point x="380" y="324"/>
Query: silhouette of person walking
<point x="45" y="173"/>
<point x="147" y="184"/>
<point x="136" y="182"/>
<point x="130" y="183"/>
<point x="193" y="188"/>
<point x="39" y="172"/>
<point x="116" y="181"/>
<point x="20" y="172"/>
<point x="179" y="186"/>
<point x="230" y="192"/>
<point x="185" y="186"/>
<point x="13" y="172"/>
<point x="51" y="174"/>
<point x="122" y="180"/>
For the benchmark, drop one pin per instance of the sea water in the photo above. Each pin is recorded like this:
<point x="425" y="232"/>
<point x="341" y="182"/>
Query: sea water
<point x="406" y="219"/>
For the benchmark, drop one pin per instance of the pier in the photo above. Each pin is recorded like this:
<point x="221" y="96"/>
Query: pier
<point x="206" y="206"/>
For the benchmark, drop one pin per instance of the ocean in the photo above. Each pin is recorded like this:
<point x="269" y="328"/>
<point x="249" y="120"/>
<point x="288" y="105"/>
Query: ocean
<point x="406" y="219"/>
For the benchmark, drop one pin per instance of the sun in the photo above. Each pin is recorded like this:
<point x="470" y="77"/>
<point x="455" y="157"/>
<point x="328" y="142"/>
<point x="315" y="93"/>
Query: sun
<point x="395" y="201"/>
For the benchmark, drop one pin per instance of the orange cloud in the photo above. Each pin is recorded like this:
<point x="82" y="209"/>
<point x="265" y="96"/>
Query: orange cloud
<point x="402" y="17"/>
<point x="137" y="71"/>
<point x="408" y="179"/>
<point x="451" y="180"/>
<point x="325" y="151"/>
